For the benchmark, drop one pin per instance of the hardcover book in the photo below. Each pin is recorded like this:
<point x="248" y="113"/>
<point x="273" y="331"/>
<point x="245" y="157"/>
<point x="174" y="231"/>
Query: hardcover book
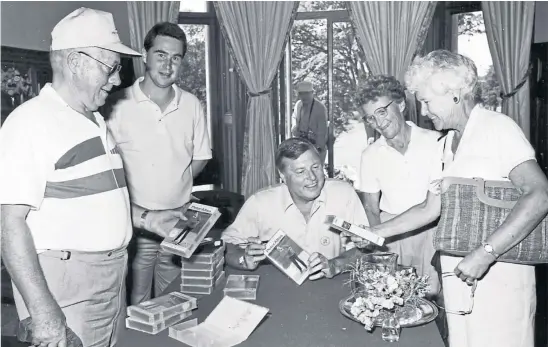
<point x="288" y="256"/>
<point x="187" y="235"/>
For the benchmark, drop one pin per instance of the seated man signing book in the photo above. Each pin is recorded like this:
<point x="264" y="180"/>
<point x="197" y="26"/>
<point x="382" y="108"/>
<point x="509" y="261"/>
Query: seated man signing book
<point x="298" y="206"/>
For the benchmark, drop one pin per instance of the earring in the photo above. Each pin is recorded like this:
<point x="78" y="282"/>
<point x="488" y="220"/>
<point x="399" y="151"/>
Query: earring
<point x="456" y="100"/>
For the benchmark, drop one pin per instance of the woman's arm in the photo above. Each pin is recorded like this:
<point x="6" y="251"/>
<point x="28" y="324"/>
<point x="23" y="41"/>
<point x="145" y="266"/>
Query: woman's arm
<point x="529" y="210"/>
<point x="412" y="219"/>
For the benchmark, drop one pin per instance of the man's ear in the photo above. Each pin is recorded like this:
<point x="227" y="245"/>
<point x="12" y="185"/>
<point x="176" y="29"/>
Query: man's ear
<point x="73" y="61"/>
<point x="144" y="55"/>
<point x="282" y="176"/>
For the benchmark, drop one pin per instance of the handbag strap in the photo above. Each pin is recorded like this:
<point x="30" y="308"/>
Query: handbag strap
<point x="480" y="185"/>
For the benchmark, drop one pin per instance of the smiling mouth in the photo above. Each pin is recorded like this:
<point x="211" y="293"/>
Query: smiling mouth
<point x="384" y="126"/>
<point x="311" y="185"/>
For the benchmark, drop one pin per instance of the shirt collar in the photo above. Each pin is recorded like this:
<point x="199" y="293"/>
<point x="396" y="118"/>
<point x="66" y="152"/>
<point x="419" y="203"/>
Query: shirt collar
<point x="139" y="96"/>
<point x="49" y="92"/>
<point x="287" y="200"/>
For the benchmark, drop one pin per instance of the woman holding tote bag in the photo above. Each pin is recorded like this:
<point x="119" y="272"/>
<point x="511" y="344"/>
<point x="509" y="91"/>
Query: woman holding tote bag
<point x="492" y="200"/>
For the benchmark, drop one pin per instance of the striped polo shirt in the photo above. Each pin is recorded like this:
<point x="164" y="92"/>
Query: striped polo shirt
<point x="67" y="168"/>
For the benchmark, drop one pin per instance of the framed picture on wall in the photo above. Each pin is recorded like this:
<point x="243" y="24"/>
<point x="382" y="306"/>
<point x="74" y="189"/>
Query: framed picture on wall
<point x="24" y="72"/>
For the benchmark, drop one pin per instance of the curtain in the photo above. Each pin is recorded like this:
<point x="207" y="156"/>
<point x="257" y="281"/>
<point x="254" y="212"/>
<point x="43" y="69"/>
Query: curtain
<point x="256" y="33"/>
<point x="509" y="29"/>
<point x="142" y="17"/>
<point x="391" y="33"/>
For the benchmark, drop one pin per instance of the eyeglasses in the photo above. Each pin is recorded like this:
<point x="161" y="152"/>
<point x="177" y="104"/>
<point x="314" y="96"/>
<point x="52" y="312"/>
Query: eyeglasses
<point x="471" y="302"/>
<point x="381" y="112"/>
<point x="112" y="69"/>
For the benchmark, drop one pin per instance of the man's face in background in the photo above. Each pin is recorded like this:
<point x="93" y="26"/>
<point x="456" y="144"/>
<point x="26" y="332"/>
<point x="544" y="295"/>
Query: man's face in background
<point x="306" y="97"/>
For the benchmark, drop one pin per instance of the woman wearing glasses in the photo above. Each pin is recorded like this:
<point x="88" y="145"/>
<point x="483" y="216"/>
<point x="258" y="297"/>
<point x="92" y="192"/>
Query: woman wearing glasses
<point x="396" y="165"/>
<point x="488" y="302"/>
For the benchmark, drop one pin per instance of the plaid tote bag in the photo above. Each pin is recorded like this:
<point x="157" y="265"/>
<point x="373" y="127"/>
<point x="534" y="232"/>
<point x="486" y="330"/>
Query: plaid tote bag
<point x="472" y="209"/>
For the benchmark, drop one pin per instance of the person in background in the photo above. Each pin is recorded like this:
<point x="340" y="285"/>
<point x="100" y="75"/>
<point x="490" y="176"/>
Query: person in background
<point x="489" y="145"/>
<point x="310" y="117"/>
<point x="65" y="211"/>
<point x="161" y="132"/>
<point x="395" y="170"/>
<point x="298" y="206"/>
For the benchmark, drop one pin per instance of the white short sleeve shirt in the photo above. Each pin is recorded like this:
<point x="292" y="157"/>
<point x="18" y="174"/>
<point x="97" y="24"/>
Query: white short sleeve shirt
<point x="158" y="147"/>
<point x="491" y="146"/>
<point x="273" y="209"/>
<point x="403" y="179"/>
<point x="66" y="167"/>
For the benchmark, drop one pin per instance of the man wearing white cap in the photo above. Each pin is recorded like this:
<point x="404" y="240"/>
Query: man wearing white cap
<point x="66" y="216"/>
<point x="162" y="135"/>
<point x="310" y="117"/>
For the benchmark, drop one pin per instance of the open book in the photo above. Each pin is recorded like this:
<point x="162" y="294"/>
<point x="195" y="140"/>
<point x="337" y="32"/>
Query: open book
<point x="288" y="256"/>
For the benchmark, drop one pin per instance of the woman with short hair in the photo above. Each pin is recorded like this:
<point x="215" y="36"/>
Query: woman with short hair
<point x="489" y="145"/>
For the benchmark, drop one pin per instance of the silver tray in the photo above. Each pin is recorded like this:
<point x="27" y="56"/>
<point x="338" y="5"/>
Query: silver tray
<point x="429" y="312"/>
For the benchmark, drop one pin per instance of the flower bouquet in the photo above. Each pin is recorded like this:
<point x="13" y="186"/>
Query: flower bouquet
<point x="383" y="292"/>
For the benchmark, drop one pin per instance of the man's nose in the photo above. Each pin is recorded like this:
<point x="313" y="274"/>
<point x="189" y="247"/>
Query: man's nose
<point x="115" y="79"/>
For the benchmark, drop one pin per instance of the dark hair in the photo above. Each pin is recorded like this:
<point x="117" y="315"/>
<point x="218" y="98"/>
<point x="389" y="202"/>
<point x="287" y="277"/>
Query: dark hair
<point x="292" y="148"/>
<point x="377" y="86"/>
<point x="165" y="29"/>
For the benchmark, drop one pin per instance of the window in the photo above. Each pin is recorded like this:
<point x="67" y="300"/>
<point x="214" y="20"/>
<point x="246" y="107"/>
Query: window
<point x="472" y="42"/>
<point x="322" y="31"/>
<point x="195" y="76"/>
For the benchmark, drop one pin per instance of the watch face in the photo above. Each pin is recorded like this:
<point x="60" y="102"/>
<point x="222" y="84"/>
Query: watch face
<point x="488" y="248"/>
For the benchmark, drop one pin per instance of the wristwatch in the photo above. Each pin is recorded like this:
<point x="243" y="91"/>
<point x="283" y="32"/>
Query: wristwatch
<point x="142" y="222"/>
<point x="489" y="249"/>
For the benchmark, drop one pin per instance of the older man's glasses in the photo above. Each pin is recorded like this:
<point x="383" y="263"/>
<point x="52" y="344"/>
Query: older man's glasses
<point x="381" y="112"/>
<point x="112" y="69"/>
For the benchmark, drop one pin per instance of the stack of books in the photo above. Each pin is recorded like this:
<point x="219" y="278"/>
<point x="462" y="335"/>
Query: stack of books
<point x="155" y="315"/>
<point x="203" y="272"/>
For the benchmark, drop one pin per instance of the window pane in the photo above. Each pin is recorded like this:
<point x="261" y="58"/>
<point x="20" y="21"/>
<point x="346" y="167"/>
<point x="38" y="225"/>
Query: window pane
<point x="310" y="6"/>
<point x="349" y="70"/>
<point x="193" y="6"/>
<point x="194" y="74"/>
<point x="472" y="42"/>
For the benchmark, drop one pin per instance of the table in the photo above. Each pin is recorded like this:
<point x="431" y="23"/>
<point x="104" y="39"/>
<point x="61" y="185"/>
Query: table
<point x="301" y="316"/>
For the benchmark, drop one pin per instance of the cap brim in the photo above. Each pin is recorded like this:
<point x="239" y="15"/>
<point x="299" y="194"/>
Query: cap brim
<point x="120" y="48"/>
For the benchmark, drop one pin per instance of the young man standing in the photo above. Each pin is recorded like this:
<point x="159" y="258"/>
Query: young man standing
<point x="162" y="135"/>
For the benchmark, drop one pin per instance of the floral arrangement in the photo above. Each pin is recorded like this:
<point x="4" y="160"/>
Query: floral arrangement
<point x="381" y="292"/>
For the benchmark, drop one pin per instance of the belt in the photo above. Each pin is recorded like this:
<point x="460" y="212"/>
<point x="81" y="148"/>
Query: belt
<point x="84" y="256"/>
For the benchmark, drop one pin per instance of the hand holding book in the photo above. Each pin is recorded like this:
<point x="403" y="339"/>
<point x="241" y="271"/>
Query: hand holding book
<point x="254" y="253"/>
<point x="320" y="267"/>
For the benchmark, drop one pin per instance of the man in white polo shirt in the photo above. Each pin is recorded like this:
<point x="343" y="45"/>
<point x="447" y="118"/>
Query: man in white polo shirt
<point x="162" y="135"/>
<point x="395" y="170"/>
<point x="66" y="218"/>
<point x="299" y="207"/>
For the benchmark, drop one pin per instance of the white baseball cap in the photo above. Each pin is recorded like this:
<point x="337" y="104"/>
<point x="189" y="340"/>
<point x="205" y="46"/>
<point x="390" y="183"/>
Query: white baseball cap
<point x="86" y="27"/>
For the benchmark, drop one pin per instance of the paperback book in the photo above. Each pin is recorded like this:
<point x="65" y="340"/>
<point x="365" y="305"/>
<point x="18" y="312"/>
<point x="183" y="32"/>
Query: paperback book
<point x="187" y="235"/>
<point x="345" y="226"/>
<point x="288" y="256"/>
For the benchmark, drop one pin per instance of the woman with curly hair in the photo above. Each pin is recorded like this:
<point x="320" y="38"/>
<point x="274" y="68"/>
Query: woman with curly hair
<point x="394" y="170"/>
<point x="489" y="302"/>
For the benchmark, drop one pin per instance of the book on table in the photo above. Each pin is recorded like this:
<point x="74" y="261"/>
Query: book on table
<point x="288" y="256"/>
<point x="187" y="235"/>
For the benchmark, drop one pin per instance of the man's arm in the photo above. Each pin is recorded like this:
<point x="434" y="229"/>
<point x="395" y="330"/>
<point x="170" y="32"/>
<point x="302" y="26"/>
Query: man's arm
<point x="371" y="205"/>
<point x="197" y="167"/>
<point x="21" y="260"/>
<point x="321" y="136"/>
<point x="296" y="117"/>
<point x="159" y="222"/>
